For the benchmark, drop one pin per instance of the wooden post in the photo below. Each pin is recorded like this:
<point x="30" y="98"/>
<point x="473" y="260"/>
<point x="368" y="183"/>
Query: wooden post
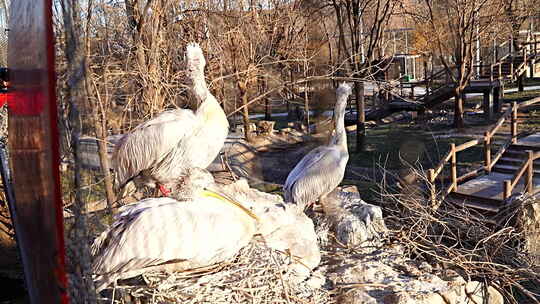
<point x="453" y="164"/>
<point x="529" y="177"/>
<point x="507" y="189"/>
<point x="497" y="99"/>
<point x="520" y="82"/>
<point x="33" y="147"/>
<point x="513" y="127"/>
<point x="361" y="116"/>
<point x="511" y="49"/>
<point x="487" y="151"/>
<point x="431" y="181"/>
<point x="487" y="104"/>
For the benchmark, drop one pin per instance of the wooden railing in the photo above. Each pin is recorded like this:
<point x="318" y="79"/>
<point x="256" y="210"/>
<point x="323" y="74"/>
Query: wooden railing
<point x="529" y="49"/>
<point x="527" y="167"/>
<point x="510" y="115"/>
<point x="451" y="157"/>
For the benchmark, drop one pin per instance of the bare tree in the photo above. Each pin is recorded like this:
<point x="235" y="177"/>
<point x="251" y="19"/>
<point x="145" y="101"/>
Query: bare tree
<point x="361" y="24"/>
<point x="452" y="28"/>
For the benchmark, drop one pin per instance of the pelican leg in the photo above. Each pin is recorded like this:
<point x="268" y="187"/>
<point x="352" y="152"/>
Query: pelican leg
<point x="163" y="190"/>
<point x="321" y="203"/>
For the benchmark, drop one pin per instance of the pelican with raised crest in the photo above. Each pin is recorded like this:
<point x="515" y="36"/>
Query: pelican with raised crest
<point x="159" y="151"/>
<point x="322" y="169"/>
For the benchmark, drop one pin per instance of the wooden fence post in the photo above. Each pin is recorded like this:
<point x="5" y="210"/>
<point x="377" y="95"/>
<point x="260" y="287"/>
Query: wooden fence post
<point x="507" y="189"/>
<point x="513" y="127"/>
<point x="529" y="177"/>
<point x="487" y="151"/>
<point x="431" y="181"/>
<point x="453" y="164"/>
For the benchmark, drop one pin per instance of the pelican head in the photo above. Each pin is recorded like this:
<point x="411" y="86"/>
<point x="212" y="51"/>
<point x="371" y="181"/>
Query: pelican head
<point x="195" y="61"/>
<point x="194" y="182"/>
<point x="342" y="94"/>
<point x="343" y="91"/>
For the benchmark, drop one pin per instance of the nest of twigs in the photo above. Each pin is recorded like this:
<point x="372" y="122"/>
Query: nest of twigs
<point x="257" y="275"/>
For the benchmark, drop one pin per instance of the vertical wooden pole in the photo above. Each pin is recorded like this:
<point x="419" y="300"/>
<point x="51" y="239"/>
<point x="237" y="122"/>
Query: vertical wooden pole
<point x="513" y="127"/>
<point x="33" y="147"/>
<point x="507" y="189"/>
<point x="487" y="151"/>
<point x="361" y="116"/>
<point x="431" y="181"/>
<point x="529" y="177"/>
<point x="453" y="169"/>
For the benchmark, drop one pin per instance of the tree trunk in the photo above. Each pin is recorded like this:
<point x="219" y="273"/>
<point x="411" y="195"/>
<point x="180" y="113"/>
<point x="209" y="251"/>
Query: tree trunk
<point x="458" y="110"/>
<point x="77" y="94"/>
<point x="245" y="114"/>
<point x="104" y="161"/>
<point x="267" y="109"/>
<point x="361" y="116"/>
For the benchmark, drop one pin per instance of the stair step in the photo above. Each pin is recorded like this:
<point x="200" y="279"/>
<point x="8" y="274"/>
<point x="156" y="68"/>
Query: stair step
<point x="516" y="161"/>
<point x="510" y="169"/>
<point x="487" y="204"/>
<point x="475" y="205"/>
<point x="516" y="154"/>
<point x="524" y="147"/>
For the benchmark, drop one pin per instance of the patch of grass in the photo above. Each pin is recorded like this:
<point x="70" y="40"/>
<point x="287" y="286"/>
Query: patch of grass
<point x="389" y="146"/>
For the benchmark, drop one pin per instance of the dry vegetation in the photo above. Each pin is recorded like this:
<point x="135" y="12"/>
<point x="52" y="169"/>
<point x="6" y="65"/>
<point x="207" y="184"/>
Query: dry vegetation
<point x="475" y="245"/>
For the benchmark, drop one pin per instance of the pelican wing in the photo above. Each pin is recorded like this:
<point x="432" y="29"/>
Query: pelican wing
<point x="150" y="142"/>
<point x="318" y="173"/>
<point x="162" y="230"/>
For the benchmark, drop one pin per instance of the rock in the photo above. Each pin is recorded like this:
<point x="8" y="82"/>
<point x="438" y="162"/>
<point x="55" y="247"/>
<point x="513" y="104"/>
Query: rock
<point x="281" y="226"/>
<point x="530" y="223"/>
<point x="356" y="296"/>
<point x="476" y="293"/>
<point x="265" y="127"/>
<point x="354" y="221"/>
<point x="399" y="298"/>
<point x="316" y="280"/>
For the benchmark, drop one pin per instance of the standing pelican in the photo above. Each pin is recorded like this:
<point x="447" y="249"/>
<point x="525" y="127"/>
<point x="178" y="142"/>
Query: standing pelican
<point x="159" y="151"/>
<point x="322" y="169"/>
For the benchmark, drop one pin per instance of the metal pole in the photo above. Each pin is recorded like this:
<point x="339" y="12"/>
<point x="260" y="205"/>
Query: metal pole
<point x="478" y="50"/>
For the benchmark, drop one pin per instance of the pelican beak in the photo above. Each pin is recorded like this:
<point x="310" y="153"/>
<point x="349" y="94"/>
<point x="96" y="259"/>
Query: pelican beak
<point x="225" y="198"/>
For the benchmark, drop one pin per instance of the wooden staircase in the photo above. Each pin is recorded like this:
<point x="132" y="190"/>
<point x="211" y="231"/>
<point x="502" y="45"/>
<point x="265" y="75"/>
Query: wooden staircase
<point x="514" y="168"/>
<point x="509" y="67"/>
<point x="513" y="157"/>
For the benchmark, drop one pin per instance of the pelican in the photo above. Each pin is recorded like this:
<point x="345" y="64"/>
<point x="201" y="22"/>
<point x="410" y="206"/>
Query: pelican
<point x="322" y="169"/>
<point x="159" y="151"/>
<point x="190" y="229"/>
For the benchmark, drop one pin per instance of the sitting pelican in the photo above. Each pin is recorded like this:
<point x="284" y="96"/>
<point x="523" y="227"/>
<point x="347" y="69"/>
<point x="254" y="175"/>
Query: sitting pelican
<point x="193" y="228"/>
<point x="322" y="169"/>
<point x="159" y="151"/>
